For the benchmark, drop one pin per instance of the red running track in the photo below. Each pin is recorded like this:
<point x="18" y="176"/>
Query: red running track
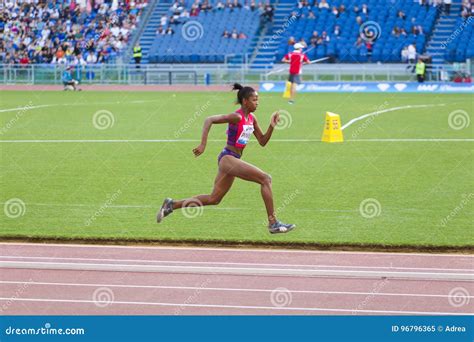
<point x="46" y="279"/>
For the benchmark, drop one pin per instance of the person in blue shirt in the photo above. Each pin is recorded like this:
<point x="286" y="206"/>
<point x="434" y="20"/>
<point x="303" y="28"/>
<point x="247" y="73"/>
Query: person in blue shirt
<point x="69" y="82"/>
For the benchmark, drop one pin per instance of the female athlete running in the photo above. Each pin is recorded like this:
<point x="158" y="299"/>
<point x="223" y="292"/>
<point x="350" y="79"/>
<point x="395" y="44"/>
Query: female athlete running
<point x="242" y="123"/>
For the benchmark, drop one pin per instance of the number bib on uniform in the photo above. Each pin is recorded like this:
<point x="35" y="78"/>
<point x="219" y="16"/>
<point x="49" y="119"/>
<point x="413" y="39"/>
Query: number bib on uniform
<point x="247" y="131"/>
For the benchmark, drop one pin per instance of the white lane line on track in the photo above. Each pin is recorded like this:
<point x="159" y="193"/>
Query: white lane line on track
<point x="230" y="250"/>
<point x="221" y="306"/>
<point x="236" y="263"/>
<point x="252" y="271"/>
<point x="382" y="294"/>
<point x="222" y="141"/>
<point x="390" y="110"/>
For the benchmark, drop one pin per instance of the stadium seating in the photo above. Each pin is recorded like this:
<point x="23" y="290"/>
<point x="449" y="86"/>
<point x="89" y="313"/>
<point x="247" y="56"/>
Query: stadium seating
<point x="386" y="48"/>
<point x="63" y="32"/>
<point x="461" y="46"/>
<point x="198" y="39"/>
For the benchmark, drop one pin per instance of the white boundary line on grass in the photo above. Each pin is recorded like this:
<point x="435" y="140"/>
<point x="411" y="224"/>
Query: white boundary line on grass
<point x="389" y="110"/>
<point x="221" y="141"/>
<point x="73" y="104"/>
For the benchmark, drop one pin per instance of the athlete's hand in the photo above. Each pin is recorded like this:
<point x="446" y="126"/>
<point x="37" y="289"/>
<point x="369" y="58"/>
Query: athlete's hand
<point x="199" y="150"/>
<point x="275" y="119"/>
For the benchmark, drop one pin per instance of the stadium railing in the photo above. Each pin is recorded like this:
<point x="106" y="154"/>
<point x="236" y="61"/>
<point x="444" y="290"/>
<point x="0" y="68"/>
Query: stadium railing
<point x="169" y="74"/>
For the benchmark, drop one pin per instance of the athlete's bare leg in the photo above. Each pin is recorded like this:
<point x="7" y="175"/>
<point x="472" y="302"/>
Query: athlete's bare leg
<point x="222" y="184"/>
<point x="292" y="91"/>
<point x="238" y="168"/>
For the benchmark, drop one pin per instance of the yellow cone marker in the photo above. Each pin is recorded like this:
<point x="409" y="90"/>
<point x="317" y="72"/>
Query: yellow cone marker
<point x="287" y="92"/>
<point x="332" y="128"/>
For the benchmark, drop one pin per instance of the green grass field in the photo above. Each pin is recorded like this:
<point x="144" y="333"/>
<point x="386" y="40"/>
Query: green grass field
<point x="422" y="190"/>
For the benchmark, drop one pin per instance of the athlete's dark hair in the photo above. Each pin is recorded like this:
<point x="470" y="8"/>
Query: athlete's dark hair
<point x="243" y="92"/>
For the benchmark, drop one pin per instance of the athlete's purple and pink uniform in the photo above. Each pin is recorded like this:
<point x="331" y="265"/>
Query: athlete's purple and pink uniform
<point x="238" y="135"/>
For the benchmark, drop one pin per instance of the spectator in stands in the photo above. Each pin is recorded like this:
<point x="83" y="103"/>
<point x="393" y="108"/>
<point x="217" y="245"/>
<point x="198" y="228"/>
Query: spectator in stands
<point x="206" y="6"/>
<point x="220" y="6"/>
<point x="447" y="6"/>
<point x="226" y="34"/>
<point x="242" y="35"/>
<point x="234" y="34"/>
<point x="164" y="20"/>
<point x="401" y="15"/>
<point x="269" y="9"/>
<point x="416" y="30"/>
<point x="315" y="39"/>
<point x="404" y="54"/>
<point x="253" y="5"/>
<point x="311" y="16"/>
<point x="396" y="31"/>
<point x="291" y="41"/>
<point x="342" y="9"/>
<point x="325" y="38"/>
<point x="194" y="11"/>
<point x="323" y="5"/>
<point x="337" y="31"/>
<point x="237" y="4"/>
<point x="356" y="9"/>
<point x="411" y="53"/>
<point x="403" y="32"/>
<point x="359" y="20"/>
<point x="365" y="9"/>
<point x="169" y="30"/>
<point x="229" y="5"/>
<point x="160" y="31"/>
<point x="184" y="14"/>
<point x="335" y="11"/>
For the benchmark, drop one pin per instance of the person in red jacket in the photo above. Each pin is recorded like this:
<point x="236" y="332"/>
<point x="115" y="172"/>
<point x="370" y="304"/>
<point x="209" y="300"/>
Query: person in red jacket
<point x="296" y="59"/>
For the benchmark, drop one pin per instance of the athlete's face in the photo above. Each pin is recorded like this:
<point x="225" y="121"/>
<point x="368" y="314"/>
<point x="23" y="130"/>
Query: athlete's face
<point x="251" y="103"/>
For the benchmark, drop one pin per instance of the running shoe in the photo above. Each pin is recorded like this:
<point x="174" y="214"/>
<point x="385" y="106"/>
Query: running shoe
<point x="165" y="210"/>
<point x="280" y="227"/>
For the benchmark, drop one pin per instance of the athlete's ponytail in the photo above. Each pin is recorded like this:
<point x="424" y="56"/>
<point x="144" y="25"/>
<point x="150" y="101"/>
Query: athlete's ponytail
<point x="243" y="92"/>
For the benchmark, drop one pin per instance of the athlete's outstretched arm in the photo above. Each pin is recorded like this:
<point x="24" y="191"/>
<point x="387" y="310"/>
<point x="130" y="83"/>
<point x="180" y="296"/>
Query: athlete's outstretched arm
<point x="264" y="138"/>
<point x="215" y="119"/>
